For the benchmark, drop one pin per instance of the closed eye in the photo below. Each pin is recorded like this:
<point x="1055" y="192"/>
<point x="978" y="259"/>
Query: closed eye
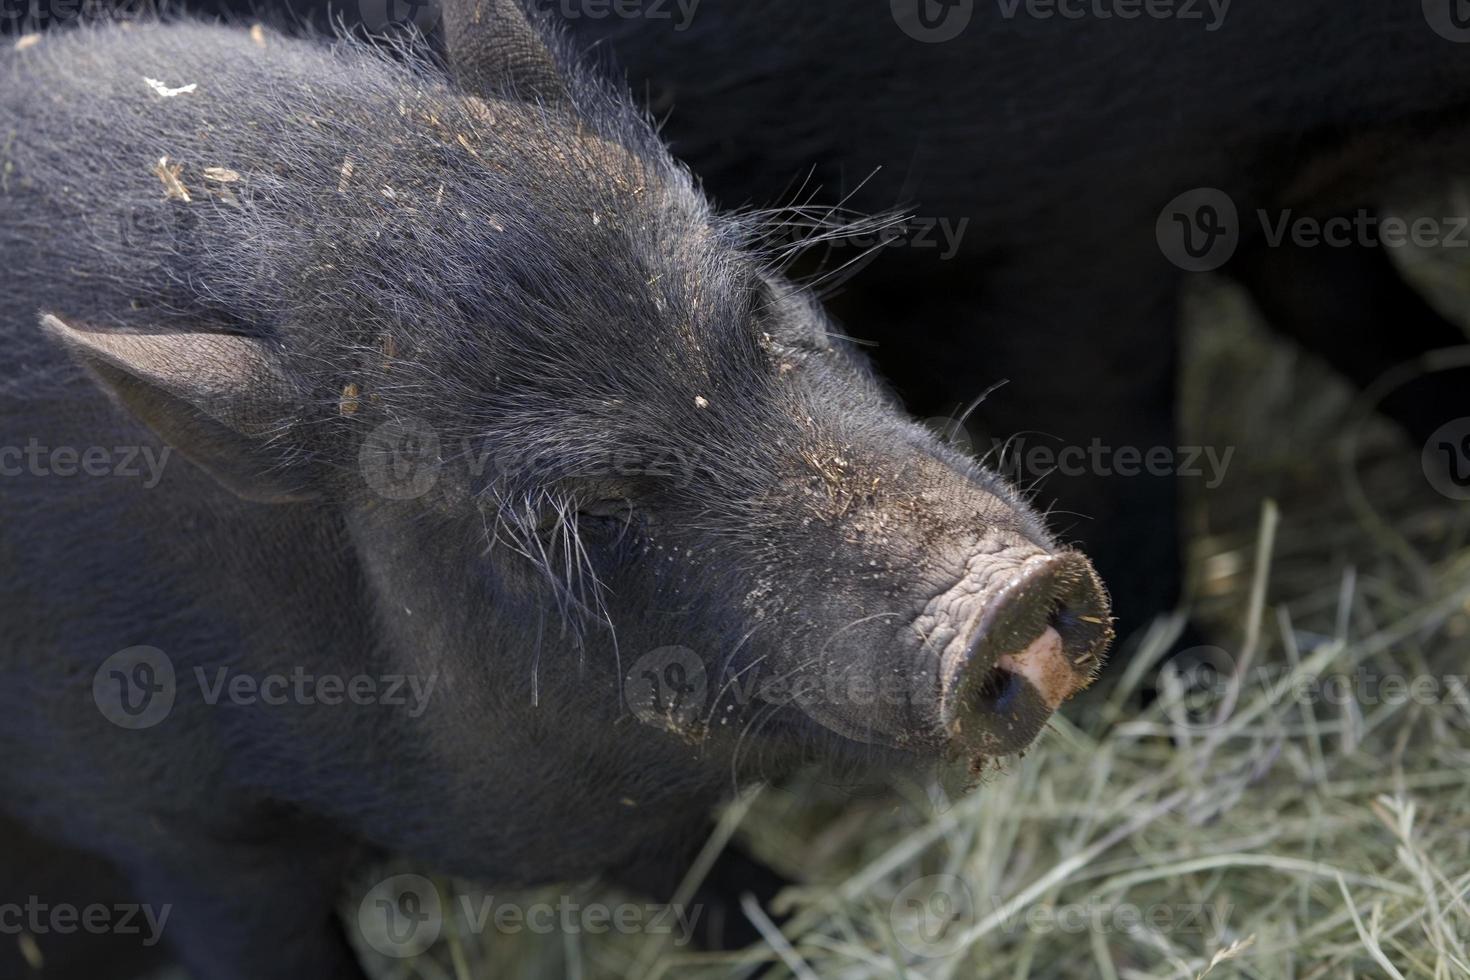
<point x="610" y="508"/>
<point x="608" y="523"/>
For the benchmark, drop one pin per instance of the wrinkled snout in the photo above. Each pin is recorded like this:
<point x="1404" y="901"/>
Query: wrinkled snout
<point x="1034" y="633"/>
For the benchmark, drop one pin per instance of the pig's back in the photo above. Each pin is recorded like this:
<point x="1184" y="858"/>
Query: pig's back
<point x="123" y="150"/>
<point x="137" y="546"/>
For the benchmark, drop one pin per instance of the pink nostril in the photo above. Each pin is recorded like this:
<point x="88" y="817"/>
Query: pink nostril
<point x="1044" y="665"/>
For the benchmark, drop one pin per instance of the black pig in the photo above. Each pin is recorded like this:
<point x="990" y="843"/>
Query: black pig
<point x="402" y="465"/>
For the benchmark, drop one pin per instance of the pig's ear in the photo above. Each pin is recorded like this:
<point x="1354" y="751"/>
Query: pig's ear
<point x="215" y="398"/>
<point x="496" y="50"/>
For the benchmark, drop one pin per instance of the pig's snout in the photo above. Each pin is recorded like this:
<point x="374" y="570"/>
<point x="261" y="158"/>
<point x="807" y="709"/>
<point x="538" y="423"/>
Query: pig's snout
<point x="1033" y="639"/>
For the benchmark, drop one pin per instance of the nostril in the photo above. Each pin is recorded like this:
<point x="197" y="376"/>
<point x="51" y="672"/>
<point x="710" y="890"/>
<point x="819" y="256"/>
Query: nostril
<point x="1077" y="628"/>
<point x="1060" y="616"/>
<point x="1081" y="619"/>
<point x="997" y="691"/>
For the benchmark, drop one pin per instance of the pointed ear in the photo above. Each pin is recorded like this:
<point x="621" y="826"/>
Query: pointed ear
<point x="215" y="398"/>
<point x="495" y="49"/>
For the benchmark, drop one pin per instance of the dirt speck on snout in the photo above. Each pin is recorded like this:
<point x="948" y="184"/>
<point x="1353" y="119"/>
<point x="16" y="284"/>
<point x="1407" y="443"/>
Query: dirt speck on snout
<point x="173" y="187"/>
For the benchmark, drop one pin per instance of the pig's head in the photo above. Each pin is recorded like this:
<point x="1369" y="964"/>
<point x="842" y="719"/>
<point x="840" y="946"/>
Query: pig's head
<point x="591" y="452"/>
